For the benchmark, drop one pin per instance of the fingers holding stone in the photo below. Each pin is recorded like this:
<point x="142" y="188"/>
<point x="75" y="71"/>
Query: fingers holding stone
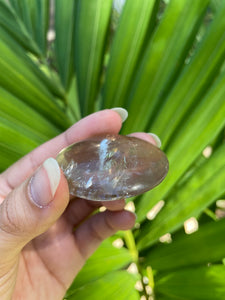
<point x="80" y="209"/>
<point x="101" y="226"/>
<point x="31" y="208"/>
<point x="115" y="205"/>
<point x="148" y="137"/>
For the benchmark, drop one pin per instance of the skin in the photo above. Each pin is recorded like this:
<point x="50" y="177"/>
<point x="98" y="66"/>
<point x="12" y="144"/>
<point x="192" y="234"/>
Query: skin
<point x="40" y="252"/>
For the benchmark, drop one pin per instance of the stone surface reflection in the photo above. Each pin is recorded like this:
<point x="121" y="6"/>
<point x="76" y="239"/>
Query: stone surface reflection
<point x="112" y="167"/>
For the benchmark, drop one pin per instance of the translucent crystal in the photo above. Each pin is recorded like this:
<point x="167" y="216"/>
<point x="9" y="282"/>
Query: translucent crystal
<point x="112" y="167"/>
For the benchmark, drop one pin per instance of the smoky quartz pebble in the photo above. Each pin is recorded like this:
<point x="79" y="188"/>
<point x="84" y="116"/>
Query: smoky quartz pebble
<point x="112" y="167"/>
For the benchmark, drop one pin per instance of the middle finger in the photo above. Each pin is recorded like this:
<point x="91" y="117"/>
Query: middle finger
<point x="80" y="209"/>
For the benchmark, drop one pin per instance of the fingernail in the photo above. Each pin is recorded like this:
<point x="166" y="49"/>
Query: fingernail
<point x="44" y="183"/>
<point x="122" y="112"/>
<point x="156" y="139"/>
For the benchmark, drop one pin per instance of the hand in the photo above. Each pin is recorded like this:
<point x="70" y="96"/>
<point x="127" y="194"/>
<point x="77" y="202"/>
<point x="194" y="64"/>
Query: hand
<point x="40" y="254"/>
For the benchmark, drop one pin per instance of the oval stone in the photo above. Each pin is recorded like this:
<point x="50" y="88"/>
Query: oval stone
<point x="112" y="167"/>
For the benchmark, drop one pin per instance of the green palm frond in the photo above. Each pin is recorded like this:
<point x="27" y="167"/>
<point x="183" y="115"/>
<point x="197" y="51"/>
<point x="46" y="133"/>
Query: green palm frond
<point x="164" y="62"/>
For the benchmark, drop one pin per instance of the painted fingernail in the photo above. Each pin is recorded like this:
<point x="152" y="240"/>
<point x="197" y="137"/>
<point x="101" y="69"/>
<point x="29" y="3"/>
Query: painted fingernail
<point x="44" y="183"/>
<point x="122" y="112"/>
<point x="156" y="139"/>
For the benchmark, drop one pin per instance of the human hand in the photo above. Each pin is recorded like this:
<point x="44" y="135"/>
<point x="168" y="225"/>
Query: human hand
<point x="40" y="253"/>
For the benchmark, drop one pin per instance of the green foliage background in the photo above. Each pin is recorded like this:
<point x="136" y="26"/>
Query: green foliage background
<point x="164" y="63"/>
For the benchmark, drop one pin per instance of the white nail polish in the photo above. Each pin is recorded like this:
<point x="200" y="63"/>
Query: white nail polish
<point x="43" y="184"/>
<point x="122" y="112"/>
<point x="52" y="168"/>
<point x="157" y="139"/>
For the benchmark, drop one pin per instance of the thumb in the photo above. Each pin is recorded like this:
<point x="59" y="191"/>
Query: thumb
<point x="33" y="207"/>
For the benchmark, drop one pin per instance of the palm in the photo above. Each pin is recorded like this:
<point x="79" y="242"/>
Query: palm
<point x="49" y="263"/>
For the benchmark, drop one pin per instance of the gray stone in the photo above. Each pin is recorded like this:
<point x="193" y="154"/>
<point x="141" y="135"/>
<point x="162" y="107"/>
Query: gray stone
<point x="112" y="167"/>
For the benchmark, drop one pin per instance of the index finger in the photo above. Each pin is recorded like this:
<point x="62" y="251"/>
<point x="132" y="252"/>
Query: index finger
<point x="105" y="121"/>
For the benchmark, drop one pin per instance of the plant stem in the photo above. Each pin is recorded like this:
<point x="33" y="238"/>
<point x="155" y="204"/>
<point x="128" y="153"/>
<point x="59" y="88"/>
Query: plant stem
<point x="211" y="214"/>
<point x="131" y="245"/>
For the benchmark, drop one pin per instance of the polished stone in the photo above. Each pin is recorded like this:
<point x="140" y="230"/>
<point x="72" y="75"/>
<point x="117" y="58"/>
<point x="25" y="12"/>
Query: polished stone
<point x="112" y="167"/>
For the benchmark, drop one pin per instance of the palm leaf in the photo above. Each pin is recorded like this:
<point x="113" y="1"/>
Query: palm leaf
<point x="90" y="42"/>
<point x="200" y="283"/>
<point x="160" y="66"/>
<point x="64" y="14"/>
<point x="199" y="191"/>
<point x="165" y="64"/>
<point x="116" y="285"/>
<point x="35" y="16"/>
<point x="12" y="27"/>
<point x="28" y="84"/>
<point x="125" y="51"/>
<point x="179" y="254"/>
<point x="194" y="82"/>
<point x="208" y="119"/>
<point x="202" y="116"/>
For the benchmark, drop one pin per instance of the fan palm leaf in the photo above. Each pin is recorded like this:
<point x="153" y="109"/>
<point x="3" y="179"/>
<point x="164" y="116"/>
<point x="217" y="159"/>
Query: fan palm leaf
<point x="164" y="62"/>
